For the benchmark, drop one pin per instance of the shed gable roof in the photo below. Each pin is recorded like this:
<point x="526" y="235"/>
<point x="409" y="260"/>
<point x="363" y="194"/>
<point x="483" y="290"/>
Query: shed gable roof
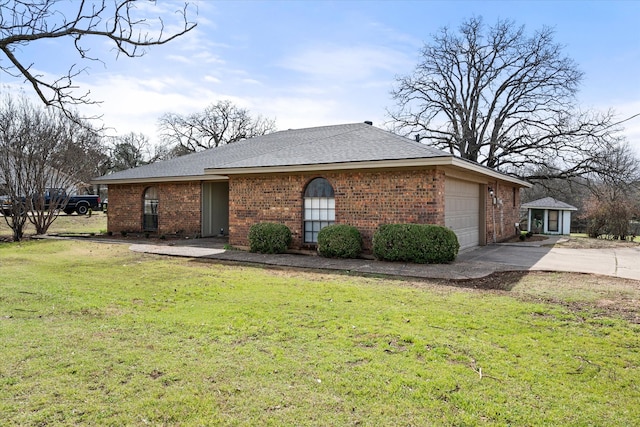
<point x="549" y="203"/>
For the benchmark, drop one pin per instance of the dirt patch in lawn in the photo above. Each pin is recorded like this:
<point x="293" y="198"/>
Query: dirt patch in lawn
<point x="608" y="296"/>
<point x="603" y="295"/>
<point x="577" y="242"/>
<point x="590" y="243"/>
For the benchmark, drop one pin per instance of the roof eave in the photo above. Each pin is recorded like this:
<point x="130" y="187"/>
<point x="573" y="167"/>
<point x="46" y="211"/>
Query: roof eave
<point x="373" y="164"/>
<point x="552" y="208"/>
<point x="157" y="179"/>
<point x="490" y="172"/>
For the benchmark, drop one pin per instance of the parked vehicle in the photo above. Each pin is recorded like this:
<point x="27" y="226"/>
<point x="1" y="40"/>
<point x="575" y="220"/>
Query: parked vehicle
<point x="69" y="204"/>
<point x="5" y="204"/>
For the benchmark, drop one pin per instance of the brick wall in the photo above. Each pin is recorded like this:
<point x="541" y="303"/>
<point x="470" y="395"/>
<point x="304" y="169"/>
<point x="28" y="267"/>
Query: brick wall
<point x="178" y="207"/>
<point x="364" y="199"/>
<point x="504" y="213"/>
<point x="125" y="207"/>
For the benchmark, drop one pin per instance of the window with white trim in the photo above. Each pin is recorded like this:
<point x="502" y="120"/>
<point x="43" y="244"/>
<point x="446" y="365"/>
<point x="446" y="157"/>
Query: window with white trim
<point x="319" y="208"/>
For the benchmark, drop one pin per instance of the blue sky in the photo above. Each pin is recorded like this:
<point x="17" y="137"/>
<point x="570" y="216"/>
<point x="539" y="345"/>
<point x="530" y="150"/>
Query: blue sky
<point x="313" y="63"/>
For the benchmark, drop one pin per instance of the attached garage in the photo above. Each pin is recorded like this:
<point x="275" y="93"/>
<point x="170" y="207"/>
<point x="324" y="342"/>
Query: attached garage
<point x="462" y="211"/>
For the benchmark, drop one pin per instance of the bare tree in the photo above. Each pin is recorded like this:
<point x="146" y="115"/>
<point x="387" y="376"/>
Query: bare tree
<point x="504" y="99"/>
<point x="24" y="22"/>
<point x="570" y="190"/>
<point x="607" y="198"/>
<point x="613" y="200"/>
<point x="42" y="149"/>
<point x="133" y="150"/>
<point x="220" y="123"/>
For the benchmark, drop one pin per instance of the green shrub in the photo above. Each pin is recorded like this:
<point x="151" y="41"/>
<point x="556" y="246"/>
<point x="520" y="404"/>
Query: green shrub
<point x="269" y="238"/>
<point x="419" y="243"/>
<point x="339" y="241"/>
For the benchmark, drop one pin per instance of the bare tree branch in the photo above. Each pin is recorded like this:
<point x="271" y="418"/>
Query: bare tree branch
<point x="42" y="149"/>
<point x="26" y="22"/>
<point x="504" y="99"/>
<point x="132" y="150"/>
<point x="220" y="123"/>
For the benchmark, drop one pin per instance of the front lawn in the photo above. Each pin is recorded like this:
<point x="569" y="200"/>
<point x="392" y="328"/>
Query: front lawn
<point x="93" y="334"/>
<point x="66" y="224"/>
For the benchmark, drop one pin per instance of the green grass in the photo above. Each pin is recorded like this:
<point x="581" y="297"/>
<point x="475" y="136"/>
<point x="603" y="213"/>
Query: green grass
<point x="93" y="334"/>
<point x="66" y="224"/>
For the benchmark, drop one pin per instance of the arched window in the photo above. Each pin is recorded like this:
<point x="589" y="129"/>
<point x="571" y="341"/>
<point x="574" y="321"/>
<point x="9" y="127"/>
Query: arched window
<point x="150" y="207"/>
<point x="319" y="208"/>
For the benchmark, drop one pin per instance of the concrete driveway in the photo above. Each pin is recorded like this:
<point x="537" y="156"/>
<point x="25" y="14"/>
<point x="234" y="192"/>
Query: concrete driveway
<point x="479" y="262"/>
<point x="621" y="262"/>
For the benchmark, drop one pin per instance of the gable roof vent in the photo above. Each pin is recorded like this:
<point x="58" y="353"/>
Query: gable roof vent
<point x="368" y="122"/>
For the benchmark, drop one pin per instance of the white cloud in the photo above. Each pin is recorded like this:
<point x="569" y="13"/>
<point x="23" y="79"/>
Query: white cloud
<point x="179" y="58"/>
<point x="134" y="105"/>
<point x="197" y="59"/>
<point x="297" y="112"/>
<point x="346" y="63"/>
<point x="211" y="79"/>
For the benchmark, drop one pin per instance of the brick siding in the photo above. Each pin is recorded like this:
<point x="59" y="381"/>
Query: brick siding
<point x="364" y="199"/>
<point x="178" y="208"/>
<point x="505" y="213"/>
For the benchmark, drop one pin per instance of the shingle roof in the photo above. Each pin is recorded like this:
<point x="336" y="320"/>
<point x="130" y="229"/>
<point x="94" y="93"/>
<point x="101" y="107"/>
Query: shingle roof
<point x="353" y="145"/>
<point x="549" y="203"/>
<point x="356" y="142"/>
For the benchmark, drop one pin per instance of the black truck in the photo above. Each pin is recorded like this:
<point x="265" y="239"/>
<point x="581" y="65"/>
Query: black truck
<point x="63" y="201"/>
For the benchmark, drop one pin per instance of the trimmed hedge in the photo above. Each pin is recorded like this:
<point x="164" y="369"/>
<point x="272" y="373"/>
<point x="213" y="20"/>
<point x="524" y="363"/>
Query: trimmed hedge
<point x="419" y="243"/>
<point x="339" y="241"/>
<point x="269" y="238"/>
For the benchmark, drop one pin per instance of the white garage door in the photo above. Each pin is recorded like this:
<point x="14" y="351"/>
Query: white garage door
<point x="462" y="211"/>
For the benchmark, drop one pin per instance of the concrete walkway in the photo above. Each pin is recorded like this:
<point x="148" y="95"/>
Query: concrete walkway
<point x="479" y="262"/>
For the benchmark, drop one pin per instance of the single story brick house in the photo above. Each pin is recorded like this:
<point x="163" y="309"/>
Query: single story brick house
<point x="353" y="174"/>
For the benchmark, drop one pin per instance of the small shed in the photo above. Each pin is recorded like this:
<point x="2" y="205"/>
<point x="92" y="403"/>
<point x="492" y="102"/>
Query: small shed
<point x="549" y="216"/>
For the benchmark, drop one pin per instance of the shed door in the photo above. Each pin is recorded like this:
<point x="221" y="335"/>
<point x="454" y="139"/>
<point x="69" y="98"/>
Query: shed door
<point x="462" y="211"/>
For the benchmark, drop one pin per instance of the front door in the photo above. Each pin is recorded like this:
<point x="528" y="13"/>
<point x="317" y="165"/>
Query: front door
<point x="215" y="208"/>
<point x="537" y="221"/>
<point x="553" y="223"/>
